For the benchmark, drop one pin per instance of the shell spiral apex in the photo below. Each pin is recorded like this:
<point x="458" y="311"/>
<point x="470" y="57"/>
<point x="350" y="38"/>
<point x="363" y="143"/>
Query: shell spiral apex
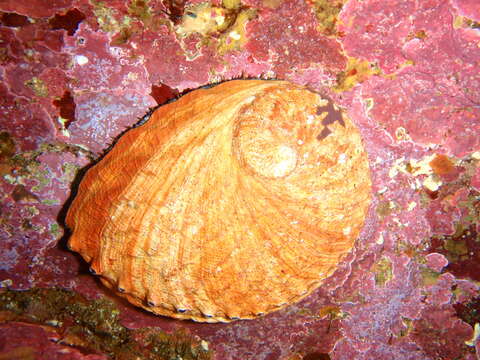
<point x="229" y="203"/>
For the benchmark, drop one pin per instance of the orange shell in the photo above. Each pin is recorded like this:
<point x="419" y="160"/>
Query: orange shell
<point x="229" y="203"/>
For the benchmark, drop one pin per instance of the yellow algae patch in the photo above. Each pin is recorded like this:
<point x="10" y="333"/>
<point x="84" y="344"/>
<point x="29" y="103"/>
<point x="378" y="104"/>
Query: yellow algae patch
<point x="203" y="19"/>
<point x="356" y="72"/>
<point x="235" y="37"/>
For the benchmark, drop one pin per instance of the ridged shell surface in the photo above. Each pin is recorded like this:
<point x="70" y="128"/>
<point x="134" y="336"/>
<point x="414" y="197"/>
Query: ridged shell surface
<point x="229" y="203"/>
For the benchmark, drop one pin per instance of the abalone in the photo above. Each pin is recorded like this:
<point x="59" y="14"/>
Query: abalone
<point x="229" y="203"/>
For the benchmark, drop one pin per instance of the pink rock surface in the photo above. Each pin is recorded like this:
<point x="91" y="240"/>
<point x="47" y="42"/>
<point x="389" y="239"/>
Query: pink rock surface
<point x="476" y="179"/>
<point x="470" y="8"/>
<point x="436" y="262"/>
<point x="290" y="45"/>
<point x="76" y="74"/>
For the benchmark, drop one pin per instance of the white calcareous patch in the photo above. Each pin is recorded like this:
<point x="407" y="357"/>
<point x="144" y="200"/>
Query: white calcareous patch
<point x="81" y="60"/>
<point x="432" y="183"/>
<point x="234" y="35"/>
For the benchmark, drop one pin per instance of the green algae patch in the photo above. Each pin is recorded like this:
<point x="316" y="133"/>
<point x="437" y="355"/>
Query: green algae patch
<point x="95" y="325"/>
<point x="326" y="12"/>
<point x="27" y="165"/>
<point x="7" y="146"/>
<point x="456" y="247"/>
<point x="141" y="10"/>
<point x="7" y="151"/>
<point x="385" y="208"/>
<point x="107" y="17"/>
<point x="38" y="86"/>
<point x="428" y="276"/>
<point x="383" y="271"/>
<point x="55" y="229"/>
<point x="331" y="312"/>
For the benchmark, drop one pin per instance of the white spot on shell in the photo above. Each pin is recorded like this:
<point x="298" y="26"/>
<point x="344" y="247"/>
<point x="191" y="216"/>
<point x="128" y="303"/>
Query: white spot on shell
<point x="193" y="229"/>
<point x="287" y="160"/>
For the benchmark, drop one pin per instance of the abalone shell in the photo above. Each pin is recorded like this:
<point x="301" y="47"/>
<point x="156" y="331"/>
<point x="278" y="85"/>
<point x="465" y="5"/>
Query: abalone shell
<point x="229" y="203"/>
